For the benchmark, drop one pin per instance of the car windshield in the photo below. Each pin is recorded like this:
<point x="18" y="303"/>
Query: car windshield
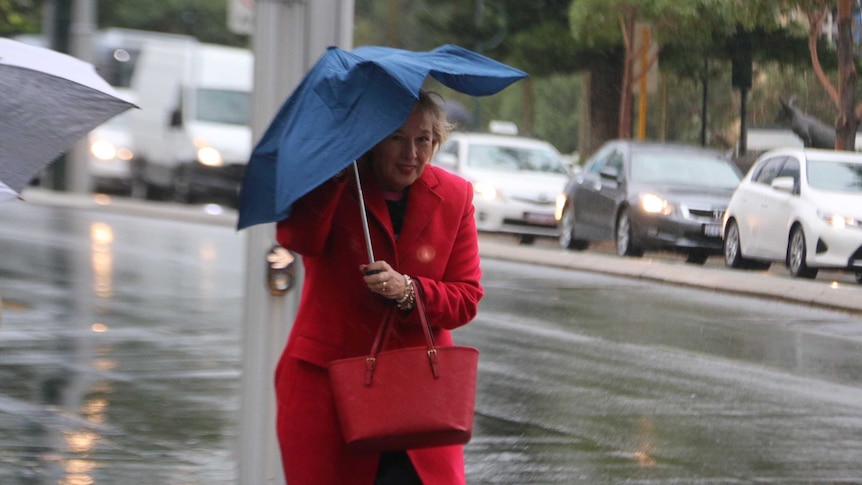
<point x="223" y="106"/>
<point x="835" y="176"/>
<point x="514" y="159"/>
<point x="683" y="169"/>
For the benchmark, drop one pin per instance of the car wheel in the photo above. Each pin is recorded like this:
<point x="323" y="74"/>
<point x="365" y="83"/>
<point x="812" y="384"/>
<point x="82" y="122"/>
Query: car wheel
<point x="733" y="251"/>
<point x="859" y="277"/>
<point x="182" y="187"/>
<point x="567" y="231"/>
<point x="139" y="188"/>
<point x="526" y="239"/>
<point x="697" y="257"/>
<point x="796" y="253"/>
<point x="625" y="242"/>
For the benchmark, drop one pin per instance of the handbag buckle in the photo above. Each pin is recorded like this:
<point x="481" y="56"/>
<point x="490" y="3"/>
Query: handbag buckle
<point x="432" y="359"/>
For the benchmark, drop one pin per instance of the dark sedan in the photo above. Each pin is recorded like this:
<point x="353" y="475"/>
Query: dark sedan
<point x="649" y="196"/>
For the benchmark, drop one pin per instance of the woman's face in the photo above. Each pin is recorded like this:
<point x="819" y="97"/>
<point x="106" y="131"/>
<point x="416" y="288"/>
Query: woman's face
<point x="400" y="158"/>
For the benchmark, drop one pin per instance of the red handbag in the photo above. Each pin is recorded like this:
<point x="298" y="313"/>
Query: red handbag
<point x="414" y="397"/>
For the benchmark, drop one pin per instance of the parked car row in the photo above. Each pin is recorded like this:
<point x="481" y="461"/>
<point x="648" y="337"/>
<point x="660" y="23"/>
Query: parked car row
<point x="802" y="207"/>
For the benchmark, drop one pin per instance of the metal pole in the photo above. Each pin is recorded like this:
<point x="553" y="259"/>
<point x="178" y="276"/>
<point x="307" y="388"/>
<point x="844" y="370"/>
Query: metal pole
<point x="703" y="101"/>
<point x="83" y="25"/>
<point x="289" y="36"/>
<point x="59" y="14"/>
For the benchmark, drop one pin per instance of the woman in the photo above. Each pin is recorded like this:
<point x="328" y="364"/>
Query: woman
<point x="424" y="237"/>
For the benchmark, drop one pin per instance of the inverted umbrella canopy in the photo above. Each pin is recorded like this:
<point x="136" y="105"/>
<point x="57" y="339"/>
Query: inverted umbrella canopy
<point x="347" y="103"/>
<point x="49" y="100"/>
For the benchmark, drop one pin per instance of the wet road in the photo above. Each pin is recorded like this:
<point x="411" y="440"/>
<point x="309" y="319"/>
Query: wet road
<point x="119" y="349"/>
<point x="120" y="358"/>
<point x="595" y="380"/>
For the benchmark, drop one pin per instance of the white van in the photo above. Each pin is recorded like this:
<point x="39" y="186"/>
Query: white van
<point x="192" y="132"/>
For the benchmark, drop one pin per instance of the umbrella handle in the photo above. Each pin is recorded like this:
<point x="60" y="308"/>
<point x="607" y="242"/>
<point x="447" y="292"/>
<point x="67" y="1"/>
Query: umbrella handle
<point x="364" y="216"/>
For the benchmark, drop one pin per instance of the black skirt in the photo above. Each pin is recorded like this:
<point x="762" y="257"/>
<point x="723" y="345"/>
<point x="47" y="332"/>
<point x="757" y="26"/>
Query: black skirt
<point x="396" y="469"/>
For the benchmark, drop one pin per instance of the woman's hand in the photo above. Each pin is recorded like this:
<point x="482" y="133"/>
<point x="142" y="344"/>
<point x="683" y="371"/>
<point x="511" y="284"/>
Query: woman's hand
<point x="383" y="280"/>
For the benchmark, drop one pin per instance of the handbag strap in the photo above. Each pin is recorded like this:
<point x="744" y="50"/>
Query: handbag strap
<point x="423" y="317"/>
<point x="383" y="334"/>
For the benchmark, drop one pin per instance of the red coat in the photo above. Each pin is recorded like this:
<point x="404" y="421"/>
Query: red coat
<point x="338" y="316"/>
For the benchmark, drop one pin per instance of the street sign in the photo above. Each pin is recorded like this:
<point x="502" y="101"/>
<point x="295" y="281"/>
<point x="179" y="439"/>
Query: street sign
<point x="240" y="16"/>
<point x="645" y="59"/>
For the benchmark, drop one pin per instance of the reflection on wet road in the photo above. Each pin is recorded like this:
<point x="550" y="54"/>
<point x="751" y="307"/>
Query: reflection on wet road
<point x="591" y="379"/>
<point x="120" y="363"/>
<point x="119" y="356"/>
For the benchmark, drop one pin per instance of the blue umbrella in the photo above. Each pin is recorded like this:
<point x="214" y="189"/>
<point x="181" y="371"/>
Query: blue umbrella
<point x="345" y="105"/>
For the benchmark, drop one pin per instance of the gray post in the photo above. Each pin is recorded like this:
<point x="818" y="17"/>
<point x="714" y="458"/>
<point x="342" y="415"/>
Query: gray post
<point x="81" y="30"/>
<point x="289" y="36"/>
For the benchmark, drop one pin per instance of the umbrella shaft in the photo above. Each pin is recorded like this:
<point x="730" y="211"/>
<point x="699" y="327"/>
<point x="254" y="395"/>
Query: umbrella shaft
<point x="364" y="216"/>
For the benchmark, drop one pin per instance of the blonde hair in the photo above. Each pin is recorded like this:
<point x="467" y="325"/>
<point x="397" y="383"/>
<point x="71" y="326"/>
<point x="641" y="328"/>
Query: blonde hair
<point x="441" y="127"/>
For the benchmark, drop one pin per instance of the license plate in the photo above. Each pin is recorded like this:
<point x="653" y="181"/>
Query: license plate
<point x="540" y="219"/>
<point x="712" y="230"/>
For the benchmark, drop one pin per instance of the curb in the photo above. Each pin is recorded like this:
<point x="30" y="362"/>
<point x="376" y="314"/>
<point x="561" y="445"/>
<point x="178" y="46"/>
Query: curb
<point x="835" y="295"/>
<point x="200" y="214"/>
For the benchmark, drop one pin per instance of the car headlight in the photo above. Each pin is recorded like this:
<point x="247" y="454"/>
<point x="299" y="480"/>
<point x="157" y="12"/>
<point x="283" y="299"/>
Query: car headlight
<point x="558" y="207"/>
<point x="210" y="157"/>
<point x="207" y="155"/>
<point x="103" y="150"/>
<point x="486" y="191"/>
<point x="837" y="221"/>
<point x="125" y="154"/>
<point x="653" y="204"/>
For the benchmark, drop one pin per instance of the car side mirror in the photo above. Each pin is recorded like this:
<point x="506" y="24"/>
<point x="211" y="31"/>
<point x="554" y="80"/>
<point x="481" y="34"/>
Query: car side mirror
<point x="176" y="118"/>
<point x="446" y="160"/>
<point x="783" y="184"/>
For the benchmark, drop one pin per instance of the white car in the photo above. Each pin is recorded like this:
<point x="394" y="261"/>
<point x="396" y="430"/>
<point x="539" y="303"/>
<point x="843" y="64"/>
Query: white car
<point x="799" y="206"/>
<point x="516" y="181"/>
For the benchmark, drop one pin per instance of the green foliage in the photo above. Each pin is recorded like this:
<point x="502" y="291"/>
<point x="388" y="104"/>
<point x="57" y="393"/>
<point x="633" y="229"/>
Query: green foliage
<point x="204" y="19"/>
<point x="19" y="17"/>
<point x="394" y="23"/>
<point x="552" y="40"/>
<point x="531" y="35"/>
<point x="558" y="98"/>
<point x="681" y="26"/>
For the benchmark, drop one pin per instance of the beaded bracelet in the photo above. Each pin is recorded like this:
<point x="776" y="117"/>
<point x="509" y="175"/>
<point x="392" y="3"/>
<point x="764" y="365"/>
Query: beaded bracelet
<point x="408" y="299"/>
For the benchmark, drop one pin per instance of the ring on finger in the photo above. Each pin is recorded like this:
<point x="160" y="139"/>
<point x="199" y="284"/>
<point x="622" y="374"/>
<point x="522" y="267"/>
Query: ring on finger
<point x="384" y="287"/>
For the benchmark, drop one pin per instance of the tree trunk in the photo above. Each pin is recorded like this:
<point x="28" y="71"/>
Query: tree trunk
<point x="603" y="110"/>
<point x="625" y="94"/>
<point x="845" y="125"/>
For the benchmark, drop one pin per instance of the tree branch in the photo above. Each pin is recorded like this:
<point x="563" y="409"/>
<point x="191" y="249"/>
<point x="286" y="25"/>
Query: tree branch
<point x="815" y="23"/>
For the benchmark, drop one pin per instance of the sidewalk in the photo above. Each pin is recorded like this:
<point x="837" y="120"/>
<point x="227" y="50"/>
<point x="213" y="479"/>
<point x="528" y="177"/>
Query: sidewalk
<point x="834" y="295"/>
<point x="821" y="293"/>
